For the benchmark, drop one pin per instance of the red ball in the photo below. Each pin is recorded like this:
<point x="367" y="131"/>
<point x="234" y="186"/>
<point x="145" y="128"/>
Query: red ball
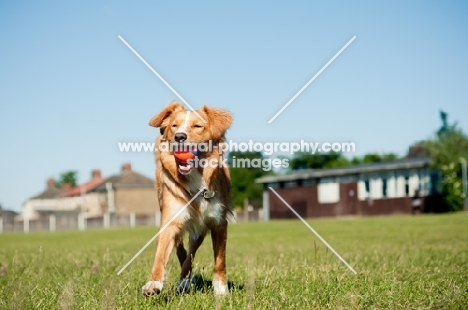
<point x="184" y="156"/>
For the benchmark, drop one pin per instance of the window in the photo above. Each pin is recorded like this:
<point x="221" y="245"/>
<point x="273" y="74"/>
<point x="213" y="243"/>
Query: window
<point x="413" y="183"/>
<point x="347" y="179"/>
<point x="400" y="185"/>
<point x="328" y="191"/>
<point x="273" y="185"/>
<point x="290" y="184"/>
<point x="384" y="187"/>
<point x="367" y="185"/>
<point x="391" y="185"/>
<point x="406" y="185"/>
<point x="309" y="182"/>
<point x="376" y="187"/>
<point x="363" y="189"/>
<point x="423" y="182"/>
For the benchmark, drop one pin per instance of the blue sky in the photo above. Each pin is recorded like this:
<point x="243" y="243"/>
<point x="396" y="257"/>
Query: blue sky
<point x="70" y="90"/>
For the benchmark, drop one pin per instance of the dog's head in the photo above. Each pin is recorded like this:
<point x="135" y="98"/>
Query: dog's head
<point x="181" y="126"/>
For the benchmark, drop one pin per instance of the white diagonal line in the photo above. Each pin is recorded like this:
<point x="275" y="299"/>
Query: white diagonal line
<point x="313" y="230"/>
<point x="161" y="78"/>
<point x="311" y="80"/>
<point x="160" y="231"/>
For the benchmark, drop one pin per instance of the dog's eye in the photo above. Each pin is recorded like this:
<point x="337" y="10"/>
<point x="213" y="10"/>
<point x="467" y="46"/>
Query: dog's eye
<point x="198" y="126"/>
<point x="174" y="125"/>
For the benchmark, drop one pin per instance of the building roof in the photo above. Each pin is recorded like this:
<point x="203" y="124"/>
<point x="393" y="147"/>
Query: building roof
<point x="8" y="213"/>
<point x="50" y="192"/>
<point x="83" y="188"/>
<point x="126" y="179"/>
<point x="414" y="163"/>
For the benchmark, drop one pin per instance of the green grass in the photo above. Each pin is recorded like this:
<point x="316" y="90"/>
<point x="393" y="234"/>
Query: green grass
<point x="403" y="262"/>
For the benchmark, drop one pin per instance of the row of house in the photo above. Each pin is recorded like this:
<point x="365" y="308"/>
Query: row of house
<point x="123" y="193"/>
<point x="372" y="189"/>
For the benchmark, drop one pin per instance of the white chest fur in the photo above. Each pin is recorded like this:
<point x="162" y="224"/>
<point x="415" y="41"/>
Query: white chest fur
<point x="210" y="211"/>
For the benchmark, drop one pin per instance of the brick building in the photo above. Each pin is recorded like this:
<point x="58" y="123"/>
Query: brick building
<point x="123" y="193"/>
<point x="372" y="189"/>
<point x="128" y="192"/>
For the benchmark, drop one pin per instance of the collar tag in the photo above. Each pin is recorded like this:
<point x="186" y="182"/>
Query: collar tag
<point x="208" y="194"/>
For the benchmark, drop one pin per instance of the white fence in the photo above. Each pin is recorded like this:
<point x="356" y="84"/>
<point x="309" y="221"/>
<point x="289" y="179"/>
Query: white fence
<point x="78" y="222"/>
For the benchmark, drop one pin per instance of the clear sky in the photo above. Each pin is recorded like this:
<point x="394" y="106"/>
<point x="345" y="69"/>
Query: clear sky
<point x="70" y="90"/>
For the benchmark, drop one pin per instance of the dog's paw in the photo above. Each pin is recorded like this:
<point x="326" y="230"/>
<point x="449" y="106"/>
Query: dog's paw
<point x="183" y="286"/>
<point x="220" y="288"/>
<point x="152" y="288"/>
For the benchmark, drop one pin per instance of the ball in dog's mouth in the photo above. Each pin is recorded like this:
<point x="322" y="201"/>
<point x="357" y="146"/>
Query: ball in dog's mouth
<point x="185" y="161"/>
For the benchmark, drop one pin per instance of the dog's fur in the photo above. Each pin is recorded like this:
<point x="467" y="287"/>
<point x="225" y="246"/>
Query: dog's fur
<point x="176" y="187"/>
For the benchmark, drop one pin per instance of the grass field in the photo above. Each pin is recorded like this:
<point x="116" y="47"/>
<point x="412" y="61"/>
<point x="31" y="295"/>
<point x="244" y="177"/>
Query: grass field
<point x="402" y="262"/>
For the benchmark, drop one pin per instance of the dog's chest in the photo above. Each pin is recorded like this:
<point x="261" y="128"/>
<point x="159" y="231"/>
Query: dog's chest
<point x="208" y="202"/>
<point x="210" y="214"/>
<point x="211" y="210"/>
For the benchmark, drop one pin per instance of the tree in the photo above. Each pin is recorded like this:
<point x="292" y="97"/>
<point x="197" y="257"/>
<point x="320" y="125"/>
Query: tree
<point x="69" y="177"/>
<point x="379" y="158"/>
<point x="446" y="150"/>
<point x="243" y="179"/>
<point x="304" y="160"/>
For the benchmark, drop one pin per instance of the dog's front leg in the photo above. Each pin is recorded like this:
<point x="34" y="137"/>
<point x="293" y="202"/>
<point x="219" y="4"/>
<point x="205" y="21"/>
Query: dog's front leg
<point x="166" y="242"/>
<point x="183" y="285"/>
<point x="219" y="238"/>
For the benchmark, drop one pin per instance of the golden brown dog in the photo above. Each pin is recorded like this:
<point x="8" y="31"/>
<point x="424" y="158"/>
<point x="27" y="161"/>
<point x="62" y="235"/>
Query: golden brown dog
<point x="178" y="181"/>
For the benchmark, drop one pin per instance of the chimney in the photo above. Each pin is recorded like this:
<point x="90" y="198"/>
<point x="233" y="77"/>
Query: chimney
<point x="96" y="174"/>
<point x="66" y="187"/>
<point x="127" y="167"/>
<point x="50" y="183"/>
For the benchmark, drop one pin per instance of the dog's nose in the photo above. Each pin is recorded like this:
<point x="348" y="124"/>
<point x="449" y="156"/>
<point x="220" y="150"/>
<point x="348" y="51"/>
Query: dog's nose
<point x="180" y="137"/>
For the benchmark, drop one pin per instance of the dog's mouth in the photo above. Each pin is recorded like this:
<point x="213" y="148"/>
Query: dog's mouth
<point x="185" y="167"/>
<point x="184" y="157"/>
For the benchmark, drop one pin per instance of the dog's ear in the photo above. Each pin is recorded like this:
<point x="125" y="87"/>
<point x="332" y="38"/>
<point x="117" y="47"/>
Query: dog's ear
<point x="161" y="120"/>
<point x="220" y="120"/>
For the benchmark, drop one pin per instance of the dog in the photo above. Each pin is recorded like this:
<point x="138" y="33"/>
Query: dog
<point x="178" y="181"/>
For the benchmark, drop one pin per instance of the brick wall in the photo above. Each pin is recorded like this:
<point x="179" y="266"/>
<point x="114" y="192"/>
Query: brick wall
<point x="137" y="200"/>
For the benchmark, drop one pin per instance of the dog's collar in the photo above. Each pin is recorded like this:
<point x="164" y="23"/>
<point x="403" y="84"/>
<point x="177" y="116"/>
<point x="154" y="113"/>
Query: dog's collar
<point x="207" y="194"/>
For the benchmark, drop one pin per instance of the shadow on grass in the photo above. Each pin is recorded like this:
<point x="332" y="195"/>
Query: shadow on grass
<point x="198" y="285"/>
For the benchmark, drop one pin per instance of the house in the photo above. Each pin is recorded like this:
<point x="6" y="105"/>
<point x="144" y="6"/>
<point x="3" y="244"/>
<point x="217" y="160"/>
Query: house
<point x="44" y="202"/>
<point x="370" y="189"/>
<point x="124" y="193"/>
<point x="7" y="215"/>
<point x="64" y="200"/>
<point x="128" y="192"/>
<point x="80" y="199"/>
<point x="7" y="219"/>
